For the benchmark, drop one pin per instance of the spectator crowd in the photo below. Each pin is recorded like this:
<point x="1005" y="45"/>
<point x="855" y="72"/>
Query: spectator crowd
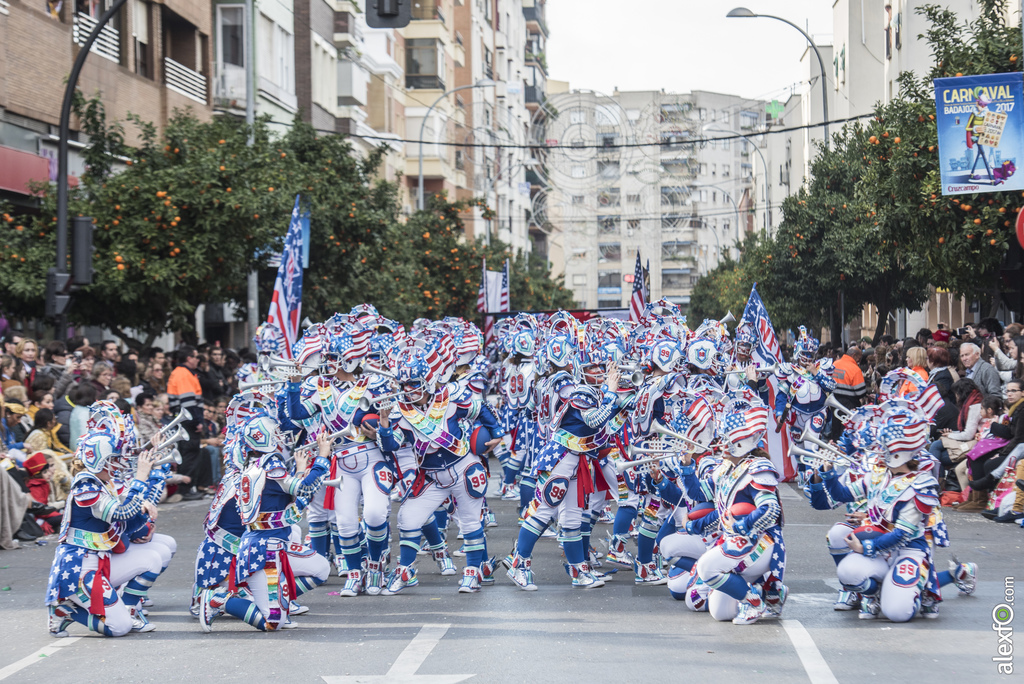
<point x="48" y="389"/>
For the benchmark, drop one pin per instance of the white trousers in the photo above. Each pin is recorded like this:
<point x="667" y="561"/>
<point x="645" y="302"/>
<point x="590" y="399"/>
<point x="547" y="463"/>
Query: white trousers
<point x="415" y="512"/>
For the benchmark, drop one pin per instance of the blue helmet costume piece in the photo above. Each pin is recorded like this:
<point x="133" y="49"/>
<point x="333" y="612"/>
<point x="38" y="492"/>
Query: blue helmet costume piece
<point x="261" y="434"/>
<point x="268" y="339"/>
<point x="805" y="348"/>
<point x="97" y="451"/>
<point x="668" y="355"/>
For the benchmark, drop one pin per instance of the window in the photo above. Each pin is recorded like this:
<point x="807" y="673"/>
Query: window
<point x="608" y="225"/>
<point x="725" y="144"/>
<point x="231" y="53"/>
<point x="609" y="251"/>
<point x="579" y="171"/>
<point x="672" y="222"/>
<point x="609" y="279"/>
<point x="577" y="117"/>
<point x="632" y="199"/>
<point x="632" y="225"/>
<point x="609" y="304"/>
<point x="675" y="278"/>
<point x="702" y="114"/>
<point x="579" y="199"/>
<point x="276" y="57"/>
<point x="140" y="33"/>
<point x="488" y="63"/>
<point x="605" y="115"/>
<point x="324" y="73"/>
<point x="726" y="170"/>
<point x="674" y="249"/>
<point x="579" y="279"/>
<point x="607" y="139"/>
<point x="609" y="197"/>
<point x="608" y="170"/>
<point x="714" y="169"/>
<point x="703" y="169"/>
<point x="703" y="195"/>
<point x="672" y="196"/>
<point x="424" y="64"/>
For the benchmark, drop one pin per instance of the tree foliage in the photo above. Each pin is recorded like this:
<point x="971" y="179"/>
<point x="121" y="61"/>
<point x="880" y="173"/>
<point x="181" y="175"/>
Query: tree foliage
<point x="182" y="219"/>
<point x="872" y="221"/>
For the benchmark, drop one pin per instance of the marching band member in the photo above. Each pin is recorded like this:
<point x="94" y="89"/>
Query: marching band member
<point x="748" y="509"/>
<point x="94" y="554"/>
<point x="270" y="569"/>
<point x="890" y="563"/>
<point x="436" y="422"/>
<point x="568" y="459"/>
<point x="803" y="388"/>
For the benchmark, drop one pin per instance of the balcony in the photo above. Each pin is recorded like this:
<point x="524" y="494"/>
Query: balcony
<point x="534" y="95"/>
<point x="347" y="31"/>
<point x="538" y="59"/>
<point x="108" y="43"/>
<point x="427" y="10"/>
<point x="415" y="82"/>
<point x="534" y="16"/>
<point x="230" y="86"/>
<point x="184" y="81"/>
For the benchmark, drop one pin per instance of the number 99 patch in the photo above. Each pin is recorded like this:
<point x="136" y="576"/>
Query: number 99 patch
<point x="555" y="490"/>
<point x="476" y="480"/>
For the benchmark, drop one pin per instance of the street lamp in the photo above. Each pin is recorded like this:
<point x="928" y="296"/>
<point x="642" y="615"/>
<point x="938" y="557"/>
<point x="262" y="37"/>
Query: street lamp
<point x="483" y="83"/>
<point x="744" y="13"/>
<point x="764" y="165"/>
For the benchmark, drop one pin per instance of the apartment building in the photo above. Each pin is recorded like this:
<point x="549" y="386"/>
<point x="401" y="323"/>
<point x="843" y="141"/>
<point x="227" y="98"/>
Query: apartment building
<point x="629" y="172"/>
<point x="149" y="60"/>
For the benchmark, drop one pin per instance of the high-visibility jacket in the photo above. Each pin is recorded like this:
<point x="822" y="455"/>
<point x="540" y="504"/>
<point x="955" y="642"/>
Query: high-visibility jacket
<point x="850" y="387"/>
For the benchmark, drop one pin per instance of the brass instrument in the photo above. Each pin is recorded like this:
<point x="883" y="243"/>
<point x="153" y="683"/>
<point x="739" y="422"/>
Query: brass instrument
<point x="183" y="415"/>
<point x="835" y="456"/>
<point x="365" y="403"/>
<point x="246" y="386"/>
<point x="768" y="370"/>
<point x="375" y="370"/>
<point x="729" y="318"/>
<point x="844" y="414"/>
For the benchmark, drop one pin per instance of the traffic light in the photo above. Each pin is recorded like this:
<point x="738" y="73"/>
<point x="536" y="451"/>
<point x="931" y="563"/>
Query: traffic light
<point x="388" y="13"/>
<point x="56" y="299"/>
<point x="81" y="250"/>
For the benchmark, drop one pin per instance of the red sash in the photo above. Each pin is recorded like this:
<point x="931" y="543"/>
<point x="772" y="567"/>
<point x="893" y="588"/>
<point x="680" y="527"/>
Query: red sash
<point x="329" y="494"/>
<point x="99" y="580"/>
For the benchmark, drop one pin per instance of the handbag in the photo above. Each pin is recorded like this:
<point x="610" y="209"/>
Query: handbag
<point x="956" y="449"/>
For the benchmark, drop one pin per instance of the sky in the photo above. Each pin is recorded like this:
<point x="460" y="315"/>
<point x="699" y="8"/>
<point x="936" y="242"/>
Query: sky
<point x="682" y="45"/>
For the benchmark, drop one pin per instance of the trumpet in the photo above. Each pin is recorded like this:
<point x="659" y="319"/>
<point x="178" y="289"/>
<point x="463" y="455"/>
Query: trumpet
<point x="366" y="403"/>
<point x="346" y="433"/>
<point x="837" y="455"/>
<point x="660" y="429"/>
<point x="173" y="457"/>
<point x="182" y="416"/>
<point x="813" y="458"/>
<point x="838" y="409"/>
<point x="283" y="366"/>
<point x="768" y="370"/>
<point x="246" y="386"/>
<point x="375" y="370"/>
<point x="623" y="466"/>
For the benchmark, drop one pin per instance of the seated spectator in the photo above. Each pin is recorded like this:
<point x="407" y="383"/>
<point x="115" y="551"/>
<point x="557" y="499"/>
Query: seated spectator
<point x="16" y="400"/>
<point x="40" y="399"/>
<point x="101" y="377"/>
<point x="13" y="372"/>
<point x="54" y="356"/>
<point x="14" y="503"/>
<point x="987" y="471"/>
<point x="122" y="385"/>
<point x="82" y="398"/>
<point x="154" y="380"/>
<point x="26" y="350"/>
<point x="940" y="374"/>
<point x="44" y="439"/>
<point x="9" y="444"/>
<point x="1003" y="361"/>
<point x="959" y="441"/>
<point x="980" y="371"/>
<point x="37" y="475"/>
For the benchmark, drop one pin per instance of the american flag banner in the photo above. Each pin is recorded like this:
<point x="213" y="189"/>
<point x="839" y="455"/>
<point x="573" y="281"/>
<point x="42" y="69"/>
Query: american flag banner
<point x="493" y="296"/>
<point x="286" y="304"/>
<point x="766" y="352"/>
<point x="638" y="300"/>
<point x="740" y="425"/>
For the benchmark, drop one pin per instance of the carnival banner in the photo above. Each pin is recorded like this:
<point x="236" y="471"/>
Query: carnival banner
<point x="980" y="130"/>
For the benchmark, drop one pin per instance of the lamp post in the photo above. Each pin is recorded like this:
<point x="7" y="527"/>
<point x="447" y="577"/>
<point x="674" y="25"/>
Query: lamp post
<point x="764" y="165"/>
<point x="484" y="83"/>
<point x="744" y="13"/>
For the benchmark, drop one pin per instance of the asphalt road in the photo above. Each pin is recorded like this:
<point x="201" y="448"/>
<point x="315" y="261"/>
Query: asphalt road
<point x="618" y="633"/>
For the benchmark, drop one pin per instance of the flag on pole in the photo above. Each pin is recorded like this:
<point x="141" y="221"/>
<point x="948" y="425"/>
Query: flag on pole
<point x="638" y="301"/>
<point x="493" y="297"/>
<point x="286" y="304"/>
<point x="766" y="352"/>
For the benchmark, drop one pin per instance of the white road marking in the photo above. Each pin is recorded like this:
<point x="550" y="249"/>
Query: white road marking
<point x="403" y="671"/>
<point x="814" y="663"/>
<point x="44" y="652"/>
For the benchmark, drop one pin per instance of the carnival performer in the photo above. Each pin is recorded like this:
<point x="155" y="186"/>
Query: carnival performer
<point x="890" y="564"/>
<point x="435" y="419"/>
<point x="803" y="388"/>
<point x="745" y="568"/>
<point x="271" y="568"/>
<point x="106" y="508"/>
<point x="568" y="469"/>
<point x="519" y="412"/>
